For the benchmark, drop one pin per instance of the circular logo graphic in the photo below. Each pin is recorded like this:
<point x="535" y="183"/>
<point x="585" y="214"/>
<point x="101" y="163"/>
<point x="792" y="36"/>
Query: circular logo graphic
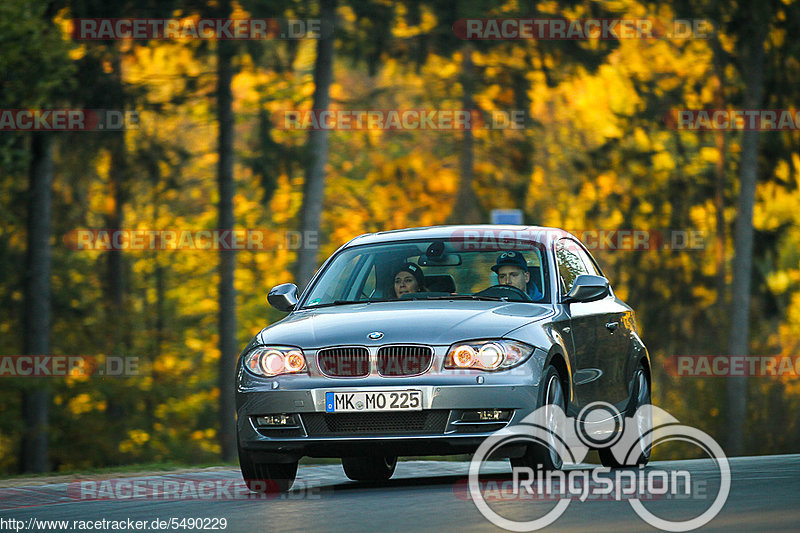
<point x="598" y="425"/>
<point x="375" y="335"/>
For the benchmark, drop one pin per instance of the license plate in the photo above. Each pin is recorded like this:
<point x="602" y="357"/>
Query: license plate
<point x="344" y="402"/>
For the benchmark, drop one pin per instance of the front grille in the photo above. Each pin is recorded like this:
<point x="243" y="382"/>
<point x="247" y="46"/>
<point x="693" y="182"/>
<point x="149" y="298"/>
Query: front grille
<point x="431" y="422"/>
<point x="404" y="360"/>
<point x="345" y="362"/>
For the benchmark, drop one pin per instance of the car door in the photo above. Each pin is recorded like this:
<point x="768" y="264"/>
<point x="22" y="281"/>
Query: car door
<point x="582" y="324"/>
<point x="593" y="329"/>
<point x="604" y="353"/>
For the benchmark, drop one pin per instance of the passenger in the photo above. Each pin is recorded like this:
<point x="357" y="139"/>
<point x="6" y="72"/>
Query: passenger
<point x="512" y="269"/>
<point x="408" y="278"/>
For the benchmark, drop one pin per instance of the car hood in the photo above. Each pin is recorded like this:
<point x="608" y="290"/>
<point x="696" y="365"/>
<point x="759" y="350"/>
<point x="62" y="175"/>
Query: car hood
<point x="423" y="322"/>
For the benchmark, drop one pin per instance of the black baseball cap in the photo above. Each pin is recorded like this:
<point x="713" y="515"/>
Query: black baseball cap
<point x="414" y="270"/>
<point x="511" y="258"/>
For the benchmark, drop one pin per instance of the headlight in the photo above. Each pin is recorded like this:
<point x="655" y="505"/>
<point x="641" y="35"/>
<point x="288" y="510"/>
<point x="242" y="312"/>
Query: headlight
<point x="487" y="355"/>
<point x="274" y="360"/>
<point x="463" y="356"/>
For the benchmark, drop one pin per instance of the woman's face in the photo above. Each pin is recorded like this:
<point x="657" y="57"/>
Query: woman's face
<point x="404" y="283"/>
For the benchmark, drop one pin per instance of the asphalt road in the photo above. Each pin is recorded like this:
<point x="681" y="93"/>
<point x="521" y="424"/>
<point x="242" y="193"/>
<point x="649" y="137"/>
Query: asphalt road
<point x="422" y="496"/>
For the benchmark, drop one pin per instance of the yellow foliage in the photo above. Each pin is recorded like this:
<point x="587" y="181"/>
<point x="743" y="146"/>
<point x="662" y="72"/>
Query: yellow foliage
<point x="136" y="438"/>
<point x="83" y="403"/>
<point x="572" y="169"/>
<point x="778" y="282"/>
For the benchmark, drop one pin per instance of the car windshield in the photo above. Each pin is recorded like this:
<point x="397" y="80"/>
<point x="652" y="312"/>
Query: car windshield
<point x="433" y="269"/>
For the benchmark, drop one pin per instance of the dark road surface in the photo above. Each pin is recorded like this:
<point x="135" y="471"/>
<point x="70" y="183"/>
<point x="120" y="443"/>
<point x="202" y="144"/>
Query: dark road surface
<point x="422" y="496"/>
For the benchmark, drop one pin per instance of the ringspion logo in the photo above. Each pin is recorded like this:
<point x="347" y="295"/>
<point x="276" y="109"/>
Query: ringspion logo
<point x="599" y="425"/>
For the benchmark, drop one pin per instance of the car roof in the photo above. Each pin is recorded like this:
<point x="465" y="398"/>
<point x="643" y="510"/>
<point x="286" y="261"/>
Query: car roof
<point x="482" y="231"/>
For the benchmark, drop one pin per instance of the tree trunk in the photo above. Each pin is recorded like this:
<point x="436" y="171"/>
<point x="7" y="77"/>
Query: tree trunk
<point x="524" y="147"/>
<point x="227" y="258"/>
<point x="753" y="75"/>
<point x="36" y="320"/>
<point x="720" y="141"/>
<point x="116" y="322"/>
<point x="114" y="218"/>
<point x="114" y="221"/>
<point x="466" y="209"/>
<point x="314" y="186"/>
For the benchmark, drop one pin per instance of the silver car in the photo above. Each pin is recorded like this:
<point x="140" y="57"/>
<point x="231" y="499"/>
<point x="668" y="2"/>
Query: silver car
<point x="425" y="341"/>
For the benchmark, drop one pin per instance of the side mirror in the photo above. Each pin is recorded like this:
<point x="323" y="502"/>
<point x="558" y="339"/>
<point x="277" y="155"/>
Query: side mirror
<point x="283" y="297"/>
<point x="588" y="288"/>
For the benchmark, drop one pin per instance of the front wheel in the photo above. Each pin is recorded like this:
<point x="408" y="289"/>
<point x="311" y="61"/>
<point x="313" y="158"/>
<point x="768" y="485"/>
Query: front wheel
<point x="538" y="455"/>
<point x="369" y="468"/>
<point x="266" y="477"/>
<point x="641" y="416"/>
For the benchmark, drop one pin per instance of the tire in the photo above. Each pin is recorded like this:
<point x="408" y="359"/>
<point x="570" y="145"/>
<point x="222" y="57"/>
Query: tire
<point x="640" y="396"/>
<point x="539" y="456"/>
<point x="369" y="468"/>
<point x="267" y="478"/>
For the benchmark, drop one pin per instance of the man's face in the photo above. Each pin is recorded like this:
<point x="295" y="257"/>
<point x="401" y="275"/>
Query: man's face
<point x="514" y="276"/>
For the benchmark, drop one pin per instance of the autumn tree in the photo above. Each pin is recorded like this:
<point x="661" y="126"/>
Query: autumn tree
<point x="317" y="148"/>
<point x="35" y="72"/>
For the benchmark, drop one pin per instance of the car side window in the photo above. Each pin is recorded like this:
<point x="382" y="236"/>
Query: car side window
<point x="591" y="268"/>
<point x="368" y="290"/>
<point x="570" y="265"/>
<point x="348" y="271"/>
<point x="362" y="280"/>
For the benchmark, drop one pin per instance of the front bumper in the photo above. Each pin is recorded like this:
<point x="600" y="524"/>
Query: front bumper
<point x="436" y="430"/>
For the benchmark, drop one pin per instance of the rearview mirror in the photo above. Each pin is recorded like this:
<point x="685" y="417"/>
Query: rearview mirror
<point x="283" y="297"/>
<point x="588" y="288"/>
<point x="442" y="260"/>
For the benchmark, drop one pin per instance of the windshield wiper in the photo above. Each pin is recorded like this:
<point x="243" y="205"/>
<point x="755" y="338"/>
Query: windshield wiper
<point x="343" y="302"/>
<point x="465" y="297"/>
<point x="438" y="297"/>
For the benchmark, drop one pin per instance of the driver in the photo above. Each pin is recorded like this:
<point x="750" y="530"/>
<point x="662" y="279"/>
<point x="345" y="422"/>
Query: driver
<point x="408" y="278"/>
<point x="512" y="269"/>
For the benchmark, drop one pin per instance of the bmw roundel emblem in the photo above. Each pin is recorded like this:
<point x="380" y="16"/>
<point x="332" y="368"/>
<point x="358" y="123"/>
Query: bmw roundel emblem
<point x="375" y="335"/>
